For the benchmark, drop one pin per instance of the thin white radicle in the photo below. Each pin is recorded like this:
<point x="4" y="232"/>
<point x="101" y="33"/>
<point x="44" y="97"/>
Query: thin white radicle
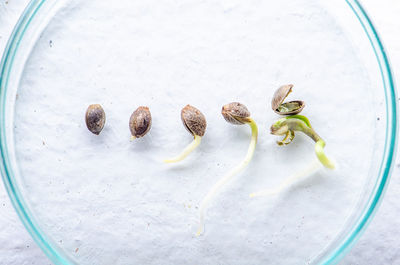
<point x="238" y="114"/>
<point x="188" y="149"/>
<point x="308" y="171"/>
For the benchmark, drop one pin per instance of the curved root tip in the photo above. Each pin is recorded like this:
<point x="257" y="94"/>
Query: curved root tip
<point x="331" y="164"/>
<point x="334" y="164"/>
<point x="132" y="138"/>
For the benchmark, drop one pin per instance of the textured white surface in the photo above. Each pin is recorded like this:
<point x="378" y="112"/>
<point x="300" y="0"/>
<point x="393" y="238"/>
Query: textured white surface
<point x="15" y="238"/>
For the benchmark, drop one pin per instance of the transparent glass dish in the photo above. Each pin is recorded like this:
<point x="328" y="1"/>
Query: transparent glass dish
<point x="90" y="199"/>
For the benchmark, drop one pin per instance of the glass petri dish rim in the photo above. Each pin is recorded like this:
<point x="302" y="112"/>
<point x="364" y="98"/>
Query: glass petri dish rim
<point x="332" y="256"/>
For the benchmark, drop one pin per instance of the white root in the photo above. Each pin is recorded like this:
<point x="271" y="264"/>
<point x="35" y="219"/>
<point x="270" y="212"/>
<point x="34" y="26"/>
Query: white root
<point x="311" y="169"/>
<point x="193" y="145"/>
<point x="217" y="186"/>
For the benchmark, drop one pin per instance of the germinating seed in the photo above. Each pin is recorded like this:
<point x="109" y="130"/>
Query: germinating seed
<point x="195" y="122"/>
<point x="299" y="123"/>
<point x="288" y="126"/>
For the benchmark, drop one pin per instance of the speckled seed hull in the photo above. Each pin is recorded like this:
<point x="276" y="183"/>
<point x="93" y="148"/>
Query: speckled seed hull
<point x="95" y="118"/>
<point x="140" y="122"/>
<point x="235" y="113"/>
<point x="193" y="120"/>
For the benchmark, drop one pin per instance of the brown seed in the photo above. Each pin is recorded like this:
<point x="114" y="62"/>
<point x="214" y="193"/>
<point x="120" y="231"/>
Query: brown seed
<point x="236" y="113"/>
<point x="95" y="118"/>
<point x="287" y="108"/>
<point x="280" y="95"/>
<point x="140" y="122"/>
<point x="193" y="120"/>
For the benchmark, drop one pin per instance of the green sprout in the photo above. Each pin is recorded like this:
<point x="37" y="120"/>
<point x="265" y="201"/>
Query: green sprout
<point x="195" y="123"/>
<point x="287" y="127"/>
<point x="238" y="114"/>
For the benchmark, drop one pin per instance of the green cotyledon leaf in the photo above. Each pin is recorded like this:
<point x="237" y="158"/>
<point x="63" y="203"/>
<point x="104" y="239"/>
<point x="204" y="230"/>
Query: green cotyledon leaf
<point x="300" y="117"/>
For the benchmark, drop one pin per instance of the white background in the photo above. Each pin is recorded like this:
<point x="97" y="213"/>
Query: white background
<point x="380" y="244"/>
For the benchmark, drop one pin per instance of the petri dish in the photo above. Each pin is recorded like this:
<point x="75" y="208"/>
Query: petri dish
<point x="89" y="199"/>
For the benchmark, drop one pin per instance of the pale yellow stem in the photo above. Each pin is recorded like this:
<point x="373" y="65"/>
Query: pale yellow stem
<point x="319" y="151"/>
<point x="311" y="169"/>
<point x="196" y="141"/>
<point x="217" y="186"/>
